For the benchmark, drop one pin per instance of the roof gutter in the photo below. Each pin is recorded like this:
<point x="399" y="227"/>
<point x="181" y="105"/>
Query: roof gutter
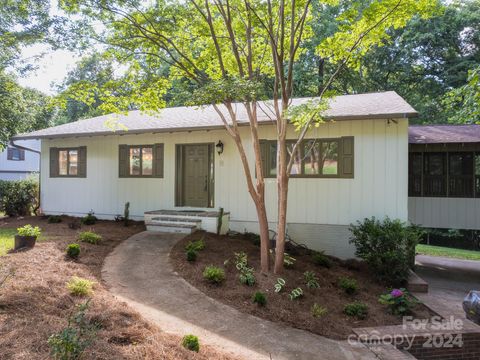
<point x="12" y="143"/>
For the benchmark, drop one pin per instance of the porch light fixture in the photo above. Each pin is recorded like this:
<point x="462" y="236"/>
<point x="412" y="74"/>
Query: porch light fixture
<point x="219" y="147"/>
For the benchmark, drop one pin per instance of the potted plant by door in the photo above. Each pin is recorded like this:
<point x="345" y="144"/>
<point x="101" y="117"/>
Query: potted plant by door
<point x="26" y="236"/>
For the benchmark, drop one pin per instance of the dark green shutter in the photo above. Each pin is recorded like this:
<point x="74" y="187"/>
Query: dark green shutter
<point x="82" y="161"/>
<point x="158" y="160"/>
<point x="347" y="159"/>
<point x="123" y="161"/>
<point x="53" y="162"/>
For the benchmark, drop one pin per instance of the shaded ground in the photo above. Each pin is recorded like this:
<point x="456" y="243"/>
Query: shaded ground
<point x="335" y="324"/>
<point x="34" y="302"/>
<point x="449" y="280"/>
<point x="139" y="271"/>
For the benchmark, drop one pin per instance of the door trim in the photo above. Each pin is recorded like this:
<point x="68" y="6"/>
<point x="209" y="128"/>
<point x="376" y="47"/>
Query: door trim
<point x="179" y="173"/>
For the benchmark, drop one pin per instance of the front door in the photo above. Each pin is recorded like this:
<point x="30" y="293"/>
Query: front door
<point x="194" y="175"/>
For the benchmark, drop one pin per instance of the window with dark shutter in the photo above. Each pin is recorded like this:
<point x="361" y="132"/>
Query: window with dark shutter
<point x="314" y="158"/>
<point x="140" y="160"/>
<point x="15" y="154"/>
<point x="68" y="162"/>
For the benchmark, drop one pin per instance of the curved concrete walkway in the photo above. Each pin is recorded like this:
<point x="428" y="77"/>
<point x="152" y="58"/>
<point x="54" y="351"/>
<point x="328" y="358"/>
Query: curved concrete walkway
<point x="138" y="271"/>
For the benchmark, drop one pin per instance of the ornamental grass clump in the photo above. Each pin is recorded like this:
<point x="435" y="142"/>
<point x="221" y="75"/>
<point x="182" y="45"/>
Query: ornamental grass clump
<point x="398" y="301"/>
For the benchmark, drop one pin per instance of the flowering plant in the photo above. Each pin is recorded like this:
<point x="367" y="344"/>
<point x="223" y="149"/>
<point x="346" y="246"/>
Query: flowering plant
<point x="399" y="301"/>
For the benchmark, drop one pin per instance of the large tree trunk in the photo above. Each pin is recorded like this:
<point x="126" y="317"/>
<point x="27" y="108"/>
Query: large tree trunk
<point x="282" y="185"/>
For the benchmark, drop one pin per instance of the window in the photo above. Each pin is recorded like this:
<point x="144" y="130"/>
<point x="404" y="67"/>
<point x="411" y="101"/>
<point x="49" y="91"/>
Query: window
<point x="444" y="174"/>
<point x="460" y="174"/>
<point x="313" y="158"/>
<point x="68" y="162"/>
<point x="15" y="154"/>
<point x="141" y="160"/>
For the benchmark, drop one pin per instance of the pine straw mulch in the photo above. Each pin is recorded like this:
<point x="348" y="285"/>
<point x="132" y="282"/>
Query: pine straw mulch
<point x="34" y="302"/>
<point x="335" y="324"/>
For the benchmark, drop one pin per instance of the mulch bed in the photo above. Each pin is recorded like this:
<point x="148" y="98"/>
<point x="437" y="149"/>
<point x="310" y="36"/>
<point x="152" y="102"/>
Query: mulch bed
<point x="34" y="302"/>
<point x="280" y="308"/>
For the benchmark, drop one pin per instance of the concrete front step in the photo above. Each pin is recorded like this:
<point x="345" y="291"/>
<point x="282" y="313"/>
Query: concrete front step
<point x="174" y="220"/>
<point x="172" y="228"/>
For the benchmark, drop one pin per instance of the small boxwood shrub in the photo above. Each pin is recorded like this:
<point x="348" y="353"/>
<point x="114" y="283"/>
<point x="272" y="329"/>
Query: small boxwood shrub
<point x="73" y="251"/>
<point x="89" y="237"/>
<point x="190" y="342"/>
<point x="259" y="298"/>
<point x="191" y="255"/>
<point x="356" y="309"/>
<point x="214" y="274"/>
<point x="89" y="219"/>
<point x="349" y="285"/>
<point x="320" y="259"/>
<point x="197" y="245"/>
<point x="80" y="287"/>
<point x="54" y="219"/>
<point x="388" y="247"/>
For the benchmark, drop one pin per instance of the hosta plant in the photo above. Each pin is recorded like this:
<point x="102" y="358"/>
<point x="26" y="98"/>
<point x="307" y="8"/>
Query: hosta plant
<point x="280" y="285"/>
<point x="296" y="293"/>
<point x="311" y="280"/>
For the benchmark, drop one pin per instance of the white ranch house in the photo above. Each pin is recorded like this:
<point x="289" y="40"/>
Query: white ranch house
<point x="351" y="167"/>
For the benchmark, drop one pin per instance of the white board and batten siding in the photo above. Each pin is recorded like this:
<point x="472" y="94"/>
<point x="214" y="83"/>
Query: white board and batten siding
<point x="445" y="213"/>
<point x="320" y="210"/>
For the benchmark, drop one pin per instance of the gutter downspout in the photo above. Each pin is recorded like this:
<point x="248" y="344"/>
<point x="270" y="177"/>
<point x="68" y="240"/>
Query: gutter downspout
<point x="12" y="142"/>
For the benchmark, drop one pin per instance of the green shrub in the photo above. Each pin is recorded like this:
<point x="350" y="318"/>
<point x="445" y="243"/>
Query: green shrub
<point x="387" y="247"/>
<point x="190" y="342"/>
<point x="318" y="310"/>
<point x="197" y="245"/>
<point x="89" y="237"/>
<point x="191" y="255"/>
<point x="80" y="287"/>
<point x="259" y="298"/>
<point x="73" y="251"/>
<point x="19" y="198"/>
<point x="349" y="285"/>
<point x="89" y="219"/>
<point x="72" y="341"/>
<point x="311" y="280"/>
<point x="247" y="275"/>
<point x="296" y="293"/>
<point x="214" y="274"/>
<point x="356" y="309"/>
<point x="29" y="230"/>
<point x="54" y="219"/>
<point x="280" y="285"/>
<point x="320" y="259"/>
<point x="399" y="301"/>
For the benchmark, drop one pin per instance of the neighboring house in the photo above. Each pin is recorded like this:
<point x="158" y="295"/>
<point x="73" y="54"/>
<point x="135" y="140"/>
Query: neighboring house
<point x="17" y="163"/>
<point x="444" y="176"/>
<point x="349" y="168"/>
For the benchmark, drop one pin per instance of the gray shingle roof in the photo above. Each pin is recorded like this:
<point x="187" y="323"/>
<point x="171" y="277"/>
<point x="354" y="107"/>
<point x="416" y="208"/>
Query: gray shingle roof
<point x="347" y="107"/>
<point x="439" y="134"/>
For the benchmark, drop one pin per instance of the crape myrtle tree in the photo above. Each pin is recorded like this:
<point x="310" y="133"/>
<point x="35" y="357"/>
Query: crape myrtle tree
<point x="230" y="50"/>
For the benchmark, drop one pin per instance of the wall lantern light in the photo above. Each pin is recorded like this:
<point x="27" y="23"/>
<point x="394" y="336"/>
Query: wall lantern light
<point x="219" y="147"/>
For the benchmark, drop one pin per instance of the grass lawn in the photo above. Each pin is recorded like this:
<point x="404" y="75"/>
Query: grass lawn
<point x="448" y="252"/>
<point x="6" y="240"/>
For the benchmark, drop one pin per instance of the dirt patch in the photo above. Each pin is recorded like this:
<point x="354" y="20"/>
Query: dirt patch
<point x="35" y="304"/>
<point x="280" y="308"/>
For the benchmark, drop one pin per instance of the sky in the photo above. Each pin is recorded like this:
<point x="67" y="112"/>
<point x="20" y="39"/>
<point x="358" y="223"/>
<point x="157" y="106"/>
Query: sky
<point x="52" y="67"/>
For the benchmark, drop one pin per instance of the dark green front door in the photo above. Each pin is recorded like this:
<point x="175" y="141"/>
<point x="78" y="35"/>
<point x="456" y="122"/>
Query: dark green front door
<point x="194" y="175"/>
